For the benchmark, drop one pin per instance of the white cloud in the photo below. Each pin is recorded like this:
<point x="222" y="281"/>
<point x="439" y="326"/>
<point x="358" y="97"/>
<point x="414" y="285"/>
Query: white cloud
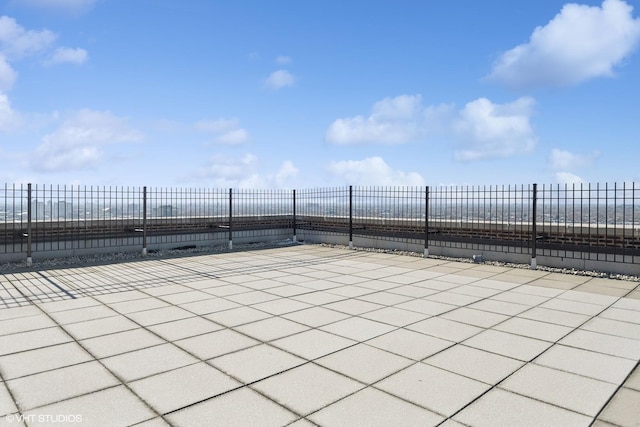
<point x="279" y="79"/>
<point x="9" y="119"/>
<point x="564" y="160"/>
<point x="67" y="55"/>
<point x="392" y="121"/>
<point x="283" y="60"/>
<point x="483" y="129"/>
<point x="373" y="171"/>
<point x="286" y="175"/>
<point x="15" y="41"/>
<point x="579" y="43"/>
<point x="228" y="131"/>
<point x="243" y="172"/>
<point x="567" y="178"/>
<point x="487" y="130"/>
<point x="7" y="74"/>
<point x="78" y="142"/>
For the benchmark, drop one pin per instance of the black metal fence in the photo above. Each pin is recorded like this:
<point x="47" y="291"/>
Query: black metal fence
<point x="577" y="221"/>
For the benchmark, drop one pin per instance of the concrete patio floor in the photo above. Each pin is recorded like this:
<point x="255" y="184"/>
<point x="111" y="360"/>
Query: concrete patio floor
<point x="310" y="335"/>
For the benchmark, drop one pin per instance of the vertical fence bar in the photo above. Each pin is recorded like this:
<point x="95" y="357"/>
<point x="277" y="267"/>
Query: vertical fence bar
<point x="144" y="221"/>
<point x="350" y="217"/>
<point x="295" y="237"/>
<point x="230" y="219"/>
<point x="426" y="222"/>
<point x="534" y="231"/>
<point x="29" y="213"/>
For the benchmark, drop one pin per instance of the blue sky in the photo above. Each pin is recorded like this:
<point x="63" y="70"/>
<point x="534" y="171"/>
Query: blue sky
<point x="298" y="94"/>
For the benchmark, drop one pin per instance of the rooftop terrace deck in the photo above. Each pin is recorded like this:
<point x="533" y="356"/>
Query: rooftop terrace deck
<point x="307" y="335"/>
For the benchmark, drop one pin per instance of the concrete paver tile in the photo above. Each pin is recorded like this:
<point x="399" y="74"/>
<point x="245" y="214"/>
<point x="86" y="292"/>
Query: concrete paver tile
<point x="313" y="343"/>
<point x="603" y="343"/>
<point x="159" y="315"/>
<point x="532" y="289"/>
<point x="237" y="316"/>
<point x="253" y="297"/>
<point x="426" y="306"/>
<point x="533" y="329"/>
<point x="627" y="304"/>
<point x="613" y="327"/>
<point x="307" y="388"/>
<point x="476" y="291"/>
<point x="181" y="387"/>
<point x="453" y="298"/>
<point x="520" y="298"/>
<point x="6" y="402"/>
<point x="256" y="363"/>
<point x="19" y="312"/>
<point x="395" y="316"/>
<point x="48" y="387"/>
<point x="120" y="296"/>
<point x="281" y="306"/>
<point x="230" y="410"/>
<point x="500" y="307"/>
<point x="30" y="323"/>
<point x="316" y="316"/>
<point x="555" y="316"/>
<point x="413" y="291"/>
<point x="318" y="298"/>
<point x="271" y="329"/>
<point x="353" y="306"/>
<point x="185" y="297"/>
<point x="571" y="306"/>
<point x="68" y="304"/>
<point x="113" y="407"/>
<point x="83" y="314"/>
<point x="570" y="391"/>
<point x="435" y="389"/>
<point x="216" y="343"/>
<point x="364" y="363"/>
<point x="209" y="306"/>
<point x="598" y="366"/>
<point x="357" y="328"/>
<point x="132" y="306"/>
<point x="371" y="407"/>
<point x="501" y="408"/>
<point x="624" y="408"/>
<point x="473" y="363"/>
<point x="410" y="344"/>
<point x="614" y="313"/>
<point x="588" y="297"/>
<point x="43" y="359"/>
<point x="634" y="380"/>
<point x="506" y="344"/>
<point x="31" y="340"/>
<point x="483" y="319"/>
<point x="121" y="342"/>
<point x="98" y="327"/>
<point x="385" y="298"/>
<point x="445" y="329"/>
<point x="184" y="328"/>
<point x="149" y="361"/>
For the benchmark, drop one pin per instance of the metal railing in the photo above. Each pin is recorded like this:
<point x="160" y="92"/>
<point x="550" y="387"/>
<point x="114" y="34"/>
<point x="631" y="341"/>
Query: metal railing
<point x="577" y="221"/>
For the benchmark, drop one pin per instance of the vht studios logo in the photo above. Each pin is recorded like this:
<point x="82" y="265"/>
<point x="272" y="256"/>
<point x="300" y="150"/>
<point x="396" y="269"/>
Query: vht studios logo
<point x="44" y="418"/>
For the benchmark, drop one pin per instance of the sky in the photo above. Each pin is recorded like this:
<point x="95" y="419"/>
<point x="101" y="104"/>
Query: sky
<point x="304" y="94"/>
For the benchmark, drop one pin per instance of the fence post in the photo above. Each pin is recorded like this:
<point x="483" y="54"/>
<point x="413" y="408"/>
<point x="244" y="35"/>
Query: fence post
<point x="350" y="217"/>
<point x="426" y="223"/>
<point x="29" y="213"/>
<point x="534" y="230"/>
<point x="230" y="219"/>
<point x="295" y="237"/>
<point x="144" y="221"/>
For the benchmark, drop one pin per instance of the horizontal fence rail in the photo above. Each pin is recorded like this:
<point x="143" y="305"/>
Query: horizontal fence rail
<point x="598" y="222"/>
